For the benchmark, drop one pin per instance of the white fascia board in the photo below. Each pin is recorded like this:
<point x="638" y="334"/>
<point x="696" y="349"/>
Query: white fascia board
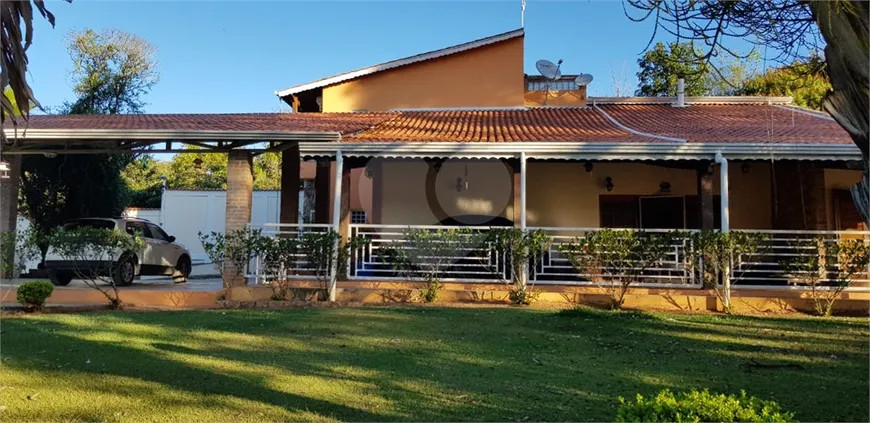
<point x="167" y="135"/>
<point x="400" y="62"/>
<point x="588" y="151"/>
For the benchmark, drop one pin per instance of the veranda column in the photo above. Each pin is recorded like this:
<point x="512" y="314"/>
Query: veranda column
<point x="9" y="194"/>
<point x="524" y="277"/>
<point x="337" y="221"/>
<point x="705" y="197"/>
<point x="726" y="223"/>
<point x="321" y="191"/>
<point x="240" y="185"/>
<point x="290" y="184"/>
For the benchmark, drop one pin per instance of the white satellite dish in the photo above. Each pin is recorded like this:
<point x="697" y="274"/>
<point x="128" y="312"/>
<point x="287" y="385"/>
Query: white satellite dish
<point x="583" y="79"/>
<point x="549" y="69"/>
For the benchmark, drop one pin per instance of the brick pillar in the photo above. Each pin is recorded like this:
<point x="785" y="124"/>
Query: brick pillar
<point x="290" y="184"/>
<point x="240" y="187"/>
<point x="9" y="194"/>
<point x="322" y="199"/>
<point x="705" y="197"/>
<point x="799" y="196"/>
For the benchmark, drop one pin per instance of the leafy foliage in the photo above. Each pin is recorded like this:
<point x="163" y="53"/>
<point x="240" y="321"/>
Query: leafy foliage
<point x="426" y="255"/>
<point x="520" y="248"/>
<point x="215" y="247"/>
<point x="700" y="406"/>
<point x="95" y="254"/>
<point x="16" y="248"/>
<point x="232" y="251"/>
<point x="319" y="249"/>
<point x="113" y="70"/>
<point x="279" y="255"/>
<point x="718" y="252"/>
<point x="828" y="266"/>
<point x="616" y="259"/>
<point x="805" y="81"/>
<point x="16" y="24"/>
<point x="33" y="294"/>
<point x="663" y="65"/>
<point x="67" y="187"/>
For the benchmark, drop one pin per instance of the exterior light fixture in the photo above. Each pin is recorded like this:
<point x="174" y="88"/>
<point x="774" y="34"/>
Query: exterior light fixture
<point x="462" y="182"/>
<point x="4" y="170"/>
<point x="197" y="162"/>
<point x="588" y="166"/>
<point x="665" y="187"/>
<point x="608" y="184"/>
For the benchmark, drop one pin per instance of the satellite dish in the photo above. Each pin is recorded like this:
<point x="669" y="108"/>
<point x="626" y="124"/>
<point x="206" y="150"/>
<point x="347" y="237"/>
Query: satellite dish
<point x="583" y="79"/>
<point x="549" y="69"/>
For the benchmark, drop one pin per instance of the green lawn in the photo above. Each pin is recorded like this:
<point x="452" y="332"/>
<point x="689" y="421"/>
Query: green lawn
<point x="420" y="364"/>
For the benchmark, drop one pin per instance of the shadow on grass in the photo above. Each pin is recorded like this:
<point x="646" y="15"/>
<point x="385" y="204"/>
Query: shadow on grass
<point x="475" y="364"/>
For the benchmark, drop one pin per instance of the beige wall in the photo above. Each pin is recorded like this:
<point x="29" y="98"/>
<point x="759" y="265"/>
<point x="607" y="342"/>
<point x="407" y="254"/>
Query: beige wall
<point x="489" y="76"/>
<point x="555" y="98"/>
<point x="404" y="192"/>
<point x="559" y="194"/>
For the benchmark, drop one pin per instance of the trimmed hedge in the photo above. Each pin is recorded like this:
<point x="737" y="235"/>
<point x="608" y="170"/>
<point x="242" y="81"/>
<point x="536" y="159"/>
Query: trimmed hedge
<point x="33" y="294"/>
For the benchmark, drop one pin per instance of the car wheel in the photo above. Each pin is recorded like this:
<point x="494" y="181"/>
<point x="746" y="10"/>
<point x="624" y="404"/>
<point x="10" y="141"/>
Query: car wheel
<point x="59" y="278"/>
<point x="124" y="271"/>
<point x="182" y="270"/>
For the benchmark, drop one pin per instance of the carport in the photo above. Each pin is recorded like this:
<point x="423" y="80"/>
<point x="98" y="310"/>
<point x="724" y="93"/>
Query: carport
<point x="240" y="136"/>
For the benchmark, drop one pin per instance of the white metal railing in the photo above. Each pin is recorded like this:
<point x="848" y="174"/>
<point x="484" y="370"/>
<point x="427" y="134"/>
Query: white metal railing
<point x="472" y="259"/>
<point x="764" y="268"/>
<point x="555" y="268"/>
<point x="476" y="260"/>
<point x="300" y="268"/>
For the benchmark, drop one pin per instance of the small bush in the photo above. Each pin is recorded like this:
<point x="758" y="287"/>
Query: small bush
<point x="700" y="406"/>
<point x="32" y="295"/>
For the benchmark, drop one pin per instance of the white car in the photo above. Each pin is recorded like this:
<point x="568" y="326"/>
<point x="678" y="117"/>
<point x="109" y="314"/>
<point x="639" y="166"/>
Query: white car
<point x="159" y="255"/>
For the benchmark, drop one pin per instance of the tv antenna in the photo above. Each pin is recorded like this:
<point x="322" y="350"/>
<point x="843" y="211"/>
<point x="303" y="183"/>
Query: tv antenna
<point x="551" y="71"/>
<point x="523" y="15"/>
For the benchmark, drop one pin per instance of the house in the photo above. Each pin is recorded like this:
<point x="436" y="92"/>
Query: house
<point x="462" y="135"/>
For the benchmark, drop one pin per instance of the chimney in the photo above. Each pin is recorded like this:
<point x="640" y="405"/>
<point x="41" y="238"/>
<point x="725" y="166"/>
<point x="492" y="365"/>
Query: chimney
<point x="681" y="93"/>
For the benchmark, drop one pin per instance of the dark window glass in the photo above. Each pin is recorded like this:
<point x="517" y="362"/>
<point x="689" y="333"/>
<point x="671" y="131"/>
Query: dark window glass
<point x="94" y="223"/>
<point x="618" y="211"/>
<point x="157" y="233"/>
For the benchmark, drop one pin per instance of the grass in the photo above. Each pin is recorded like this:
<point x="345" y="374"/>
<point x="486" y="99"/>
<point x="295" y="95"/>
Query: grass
<point x="417" y="364"/>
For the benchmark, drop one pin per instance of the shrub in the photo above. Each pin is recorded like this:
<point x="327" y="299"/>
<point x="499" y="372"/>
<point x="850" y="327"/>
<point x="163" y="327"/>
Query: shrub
<point x="520" y="248"/>
<point x="33" y="294"/>
<point x="700" y="406"/>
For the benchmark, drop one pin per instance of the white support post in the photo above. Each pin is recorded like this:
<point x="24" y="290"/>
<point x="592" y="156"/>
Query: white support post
<point x="524" y="278"/>
<point x="726" y="225"/>
<point x="336" y="222"/>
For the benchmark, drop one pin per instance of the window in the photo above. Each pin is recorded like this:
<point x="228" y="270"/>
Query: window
<point x="157" y="233"/>
<point x="138" y="228"/>
<point x="90" y="223"/>
<point x="560" y="85"/>
<point x="358" y="216"/>
<point x="618" y="211"/>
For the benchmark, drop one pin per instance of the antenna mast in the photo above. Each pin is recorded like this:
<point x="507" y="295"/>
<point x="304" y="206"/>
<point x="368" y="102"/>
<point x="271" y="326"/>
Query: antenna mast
<point x="523" y="15"/>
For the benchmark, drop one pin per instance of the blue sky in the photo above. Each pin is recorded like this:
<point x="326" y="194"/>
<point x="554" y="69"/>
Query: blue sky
<point x="222" y="56"/>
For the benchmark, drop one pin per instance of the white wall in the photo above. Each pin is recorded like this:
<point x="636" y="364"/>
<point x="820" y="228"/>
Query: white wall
<point x="151" y="215"/>
<point x="186" y="213"/>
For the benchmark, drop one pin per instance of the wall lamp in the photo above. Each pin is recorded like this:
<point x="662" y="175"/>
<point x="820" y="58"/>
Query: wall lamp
<point x="608" y="184"/>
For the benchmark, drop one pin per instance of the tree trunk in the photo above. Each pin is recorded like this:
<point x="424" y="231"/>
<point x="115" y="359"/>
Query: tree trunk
<point x="845" y="26"/>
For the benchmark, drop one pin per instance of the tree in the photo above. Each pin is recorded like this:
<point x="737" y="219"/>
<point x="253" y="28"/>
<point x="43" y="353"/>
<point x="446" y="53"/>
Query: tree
<point x="143" y="178"/>
<point x="113" y="70"/>
<point x="111" y="74"/>
<point x="794" y="29"/>
<point x="804" y="81"/>
<point x="16" y="27"/>
<point x="733" y="74"/>
<point x="662" y="66"/>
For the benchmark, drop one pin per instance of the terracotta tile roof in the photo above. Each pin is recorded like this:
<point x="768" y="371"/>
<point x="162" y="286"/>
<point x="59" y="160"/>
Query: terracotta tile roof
<point x="734" y="123"/>
<point x="542" y="124"/>
<point x="345" y="123"/>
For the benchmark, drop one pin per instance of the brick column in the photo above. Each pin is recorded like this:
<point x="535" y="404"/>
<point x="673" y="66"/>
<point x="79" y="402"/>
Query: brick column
<point x="322" y="199"/>
<point x="240" y="186"/>
<point x="290" y="185"/>
<point x="9" y="194"/>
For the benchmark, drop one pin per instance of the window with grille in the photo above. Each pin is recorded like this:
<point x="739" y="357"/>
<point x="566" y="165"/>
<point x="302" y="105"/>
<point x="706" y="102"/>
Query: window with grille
<point x="560" y="85"/>
<point x="357" y="216"/>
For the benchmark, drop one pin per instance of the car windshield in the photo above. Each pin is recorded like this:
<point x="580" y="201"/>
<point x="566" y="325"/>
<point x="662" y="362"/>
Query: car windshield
<point x="91" y="223"/>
